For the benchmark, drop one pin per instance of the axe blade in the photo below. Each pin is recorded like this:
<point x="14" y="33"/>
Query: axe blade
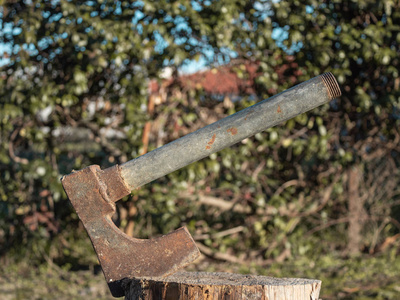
<point x="93" y="192"/>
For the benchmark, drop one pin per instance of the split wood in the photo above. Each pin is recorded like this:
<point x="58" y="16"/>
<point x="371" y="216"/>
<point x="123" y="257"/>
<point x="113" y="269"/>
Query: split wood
<point x="216" y="286"/>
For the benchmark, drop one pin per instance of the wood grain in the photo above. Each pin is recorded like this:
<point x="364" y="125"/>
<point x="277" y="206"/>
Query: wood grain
<point x="216" y="286"/>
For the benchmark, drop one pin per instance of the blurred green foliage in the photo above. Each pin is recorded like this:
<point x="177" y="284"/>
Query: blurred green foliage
<point x="75" y="93"/>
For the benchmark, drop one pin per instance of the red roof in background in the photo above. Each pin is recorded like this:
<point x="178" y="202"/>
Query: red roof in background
<point x="225" y="79"/>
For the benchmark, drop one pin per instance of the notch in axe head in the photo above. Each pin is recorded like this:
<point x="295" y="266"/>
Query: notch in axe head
<point x="93" y="192"/>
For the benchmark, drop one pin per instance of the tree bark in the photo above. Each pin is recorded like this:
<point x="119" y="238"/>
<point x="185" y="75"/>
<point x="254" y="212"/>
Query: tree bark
<point x="356" y="211"/>
<point x="216" y="286"/>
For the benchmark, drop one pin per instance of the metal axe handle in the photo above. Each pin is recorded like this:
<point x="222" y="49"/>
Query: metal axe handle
<point x="230" y="130"/>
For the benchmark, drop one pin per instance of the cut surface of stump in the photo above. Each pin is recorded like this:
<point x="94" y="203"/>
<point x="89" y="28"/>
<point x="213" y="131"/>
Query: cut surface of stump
<point x="215" y="286"/>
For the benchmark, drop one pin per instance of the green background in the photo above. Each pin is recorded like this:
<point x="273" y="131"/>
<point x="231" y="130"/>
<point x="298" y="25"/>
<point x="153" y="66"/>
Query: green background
<point x="316" y="197"/>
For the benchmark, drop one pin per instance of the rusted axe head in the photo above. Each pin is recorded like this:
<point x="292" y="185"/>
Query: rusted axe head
<point x="93" y="192"/>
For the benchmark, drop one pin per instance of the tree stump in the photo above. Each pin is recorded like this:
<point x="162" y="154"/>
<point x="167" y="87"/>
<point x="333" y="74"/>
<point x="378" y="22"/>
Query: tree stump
<point x="215" y="286"/>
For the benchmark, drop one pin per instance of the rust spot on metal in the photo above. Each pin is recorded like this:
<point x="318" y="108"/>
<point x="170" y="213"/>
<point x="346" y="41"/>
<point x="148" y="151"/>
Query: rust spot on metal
<point x="116" y="187"/>
<point x="331" y="84"/>
<point x="248" y="114"/>
<point x="209" y="144"/>
<point x="233" y="130"/>
<point x="279" y="110"/>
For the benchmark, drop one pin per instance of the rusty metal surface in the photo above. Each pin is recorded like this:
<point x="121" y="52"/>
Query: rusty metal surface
<point x="332" y="86"/>
<point x="113" y="183"/>
<point x="122" y="256"/>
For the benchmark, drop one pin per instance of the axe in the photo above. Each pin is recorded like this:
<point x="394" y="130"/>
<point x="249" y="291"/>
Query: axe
<point x="93" y="192"/>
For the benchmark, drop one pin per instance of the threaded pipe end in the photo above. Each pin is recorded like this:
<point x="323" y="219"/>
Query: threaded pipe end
<point x="331" y="85"/>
